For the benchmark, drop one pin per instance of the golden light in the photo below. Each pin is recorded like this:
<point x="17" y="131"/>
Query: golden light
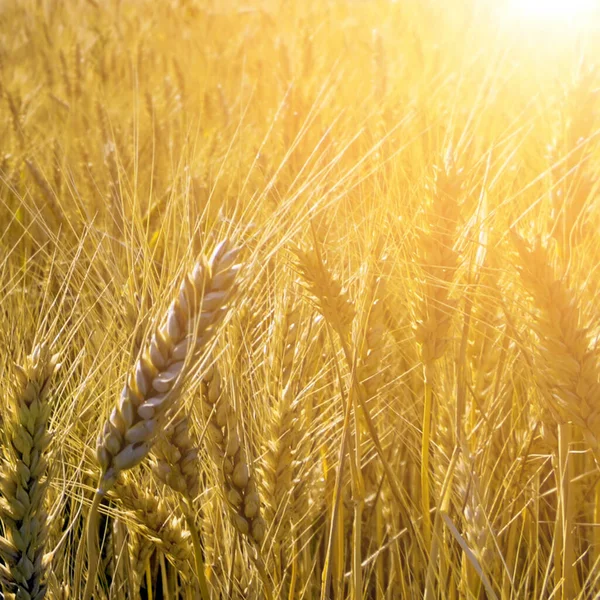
<point x="554" y="10"/>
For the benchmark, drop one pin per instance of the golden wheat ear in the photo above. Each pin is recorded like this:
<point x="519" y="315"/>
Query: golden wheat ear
<point x="152" y="386"/>
<point x="223" y="441"/>
<point x="24" y="479"/>
<point x="159" y="528"/>
<point x="326" y="291"/>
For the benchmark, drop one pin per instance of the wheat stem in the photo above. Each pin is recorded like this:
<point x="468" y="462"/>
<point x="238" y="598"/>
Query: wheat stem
<point x="92" y="545"/>
<point x="566" y="565"/>
<point x="204" y="593"/>
<point x="425" y="443"/>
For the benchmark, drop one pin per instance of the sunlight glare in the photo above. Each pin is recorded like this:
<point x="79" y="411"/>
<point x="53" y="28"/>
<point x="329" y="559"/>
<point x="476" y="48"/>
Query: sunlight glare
<point x="553" y="10"/>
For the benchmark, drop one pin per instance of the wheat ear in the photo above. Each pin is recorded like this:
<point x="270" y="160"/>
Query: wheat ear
<point x="176" y="459"/>
<point x="159" y="526"/>
<point x="567" y="374"/>
<point x="325" y="290"/>
<point x="177" y="467"/>
<point x="222" y="437"/>
<point x="567" y="365"/>
<point x="153" y="385"/>
<point x="278" y="463"/>
<point x="277" y="471"/>
<point x="475" y="523"/>
<point x="238" y="484"/>
<point x="24" y="480"/>
<point x="339" y="312"/>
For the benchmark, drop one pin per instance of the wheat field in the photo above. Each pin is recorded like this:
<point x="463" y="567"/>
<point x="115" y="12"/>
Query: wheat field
<point x="299" y="300"/>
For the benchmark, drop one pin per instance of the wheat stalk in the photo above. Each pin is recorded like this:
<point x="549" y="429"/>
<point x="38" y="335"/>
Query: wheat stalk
<point x="153" y="386"/>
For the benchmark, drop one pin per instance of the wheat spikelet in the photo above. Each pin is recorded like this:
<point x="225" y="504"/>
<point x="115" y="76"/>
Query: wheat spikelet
<point x="222" y="437"/>
<point x="23" y="480"/>
<point x="152" y="385"/>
